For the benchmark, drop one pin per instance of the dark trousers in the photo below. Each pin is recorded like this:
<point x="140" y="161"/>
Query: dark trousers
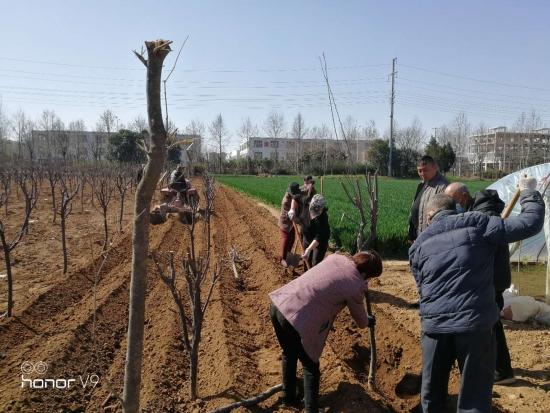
<point x="317" y="254"/>
<point x="291" y="343"/>
<point x="503" y="364"/>
<point x="475" y="353"/>
<point x="287" y="241"/>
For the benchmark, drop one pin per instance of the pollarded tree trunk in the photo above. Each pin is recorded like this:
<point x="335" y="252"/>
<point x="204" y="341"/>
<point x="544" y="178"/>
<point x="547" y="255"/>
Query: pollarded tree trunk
<point x="7" y="257"/>
<point x="156" y="53"/>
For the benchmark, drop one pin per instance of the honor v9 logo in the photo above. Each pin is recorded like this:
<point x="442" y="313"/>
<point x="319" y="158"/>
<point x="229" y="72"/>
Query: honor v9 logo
<point x="29" y="380"/>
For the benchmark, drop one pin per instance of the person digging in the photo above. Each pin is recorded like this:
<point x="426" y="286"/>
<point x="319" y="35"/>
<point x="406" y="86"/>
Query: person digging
<point x="302" y="313"/>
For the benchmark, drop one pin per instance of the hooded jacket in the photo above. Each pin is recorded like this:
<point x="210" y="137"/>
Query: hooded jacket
<point x="488" y="202"/>
<point x="453" y="261"/>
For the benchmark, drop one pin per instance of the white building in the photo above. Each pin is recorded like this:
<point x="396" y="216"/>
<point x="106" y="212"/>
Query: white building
<point x="288" y="149"/>
<point x="508" y="151"/>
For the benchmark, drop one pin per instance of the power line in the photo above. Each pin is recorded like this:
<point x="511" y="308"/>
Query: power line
<point x="263" y="70"/>
<point x="474" y="79"/>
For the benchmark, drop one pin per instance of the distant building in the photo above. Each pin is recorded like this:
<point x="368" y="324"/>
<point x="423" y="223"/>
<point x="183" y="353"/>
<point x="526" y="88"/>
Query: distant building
<point x="288" y="149"/>
<point x="508" y="151"/>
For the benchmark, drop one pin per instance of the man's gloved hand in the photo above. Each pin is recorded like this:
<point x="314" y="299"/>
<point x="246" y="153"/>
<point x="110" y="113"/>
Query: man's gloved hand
<point x="306" y="253"/>
<point x="291" y="214"/>
<point x="372" y="320"/>
<point x="527" y="182"/>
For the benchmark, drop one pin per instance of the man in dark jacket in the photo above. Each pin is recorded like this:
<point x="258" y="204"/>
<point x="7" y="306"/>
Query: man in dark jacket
<point x="453" y="264"/>
<point x="432" y="183"/>
<point x="488" y="202"/>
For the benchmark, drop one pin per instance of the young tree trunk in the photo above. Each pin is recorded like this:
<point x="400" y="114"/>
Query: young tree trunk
<point x="64" y="243"/>
<point x="156" y="52"/>
<point x="105" y="229"/>
<point x="54" y="204"/>
<point x="82" y="183"/>
<point x="7" y="257"/>
<point x="197" y="330"/>
<point x="193" y="372"/>
<point x="121" y="212"/>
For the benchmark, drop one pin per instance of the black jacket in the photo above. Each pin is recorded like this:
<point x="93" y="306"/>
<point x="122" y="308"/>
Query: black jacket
<point x="488" y="202"/>
<point x="318" y="229"/>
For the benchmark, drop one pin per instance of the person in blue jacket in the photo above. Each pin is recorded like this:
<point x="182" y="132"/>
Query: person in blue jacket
<point x="453" y="264"/>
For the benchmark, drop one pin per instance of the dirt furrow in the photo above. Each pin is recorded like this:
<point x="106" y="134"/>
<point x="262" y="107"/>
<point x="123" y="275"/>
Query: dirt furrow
<point x="246" y="325"/>
<point x="70" y="351"/>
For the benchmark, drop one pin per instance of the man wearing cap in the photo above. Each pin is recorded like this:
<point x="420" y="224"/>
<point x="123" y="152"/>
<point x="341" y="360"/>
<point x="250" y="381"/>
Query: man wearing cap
<point x="286" y="228"/>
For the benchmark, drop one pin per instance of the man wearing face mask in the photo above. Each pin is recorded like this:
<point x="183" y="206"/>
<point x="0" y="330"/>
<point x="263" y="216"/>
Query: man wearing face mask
<point x="453" y="265"/>
<point x="488" y="202"/>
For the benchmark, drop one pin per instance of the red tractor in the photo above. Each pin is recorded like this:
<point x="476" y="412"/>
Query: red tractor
<point x="179" y="197"/>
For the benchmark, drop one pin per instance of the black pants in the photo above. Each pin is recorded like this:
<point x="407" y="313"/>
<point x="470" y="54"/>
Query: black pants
<point x="291" y="343"/>
<point x="475" y="353"/>
<point x="503" y="367"/>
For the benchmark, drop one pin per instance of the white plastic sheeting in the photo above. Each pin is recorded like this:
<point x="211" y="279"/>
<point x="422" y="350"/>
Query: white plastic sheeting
<point x="532" y="249"/>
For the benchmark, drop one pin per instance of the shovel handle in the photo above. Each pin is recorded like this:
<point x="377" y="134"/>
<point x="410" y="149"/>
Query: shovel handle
<point x="372" y="365"/>
<point x="508" y="210"/>
<point x="299" y="236"/>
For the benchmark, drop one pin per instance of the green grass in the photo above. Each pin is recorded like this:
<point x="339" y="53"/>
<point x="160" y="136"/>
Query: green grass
<point x="394" y="197"/>
<point x="530" y="279"/>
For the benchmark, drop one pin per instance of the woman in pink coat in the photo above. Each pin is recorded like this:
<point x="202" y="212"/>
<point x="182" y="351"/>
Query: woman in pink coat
<point x="302" y="313"/>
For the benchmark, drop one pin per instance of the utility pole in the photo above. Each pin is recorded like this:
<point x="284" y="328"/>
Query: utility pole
<point x="393" y="73"/>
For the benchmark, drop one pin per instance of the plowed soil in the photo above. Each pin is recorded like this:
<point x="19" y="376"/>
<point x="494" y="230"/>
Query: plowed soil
<point x="79" y="330"/>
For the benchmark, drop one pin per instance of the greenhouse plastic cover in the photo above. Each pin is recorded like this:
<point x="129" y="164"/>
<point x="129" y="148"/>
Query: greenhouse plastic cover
<point x="532" y="249"/>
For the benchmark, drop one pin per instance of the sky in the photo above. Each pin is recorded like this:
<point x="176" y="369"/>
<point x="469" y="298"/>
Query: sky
<point x="489" y="59"/>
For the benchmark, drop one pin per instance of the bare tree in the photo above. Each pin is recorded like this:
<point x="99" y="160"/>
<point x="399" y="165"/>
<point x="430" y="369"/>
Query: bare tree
<point x="462" y="126"/>
<point x="124" y="179"/>
<point x="61" y="139"/>
<point x="29" y="141"/>
<point x="4" y="129"/>
<point x="47" y="121"/>
<point x="29" y="187"/>
<point x="68" y="190"/>
<point x="195" y="127"/>
<point x="103" y="192"/>
<point x="156" y="53"/>
<point x="274" y="125"/>
<point x="5" y="182"/>
<point x="299" y="132"/>
<point x="352" y="132"/>
<point x="219" y="134"/>
<point x="322" y="134"/>
<point x="411" y="137"/>
<point x="275" y="128"/>
<point x="247" y="129"/>
<point x="20" y="123"/>
<point x="78" y="127"/>
<point x="107" y="122"/>
<point x="196" y="270"/>
<point x="53" y="175"/>
<point x="478" y="149"/>
<point x="138" y="125"/>
<point x="370" y="132"/>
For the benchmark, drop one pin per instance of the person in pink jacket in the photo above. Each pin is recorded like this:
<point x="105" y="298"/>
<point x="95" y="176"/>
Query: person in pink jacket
<point x="302" y="313"/>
